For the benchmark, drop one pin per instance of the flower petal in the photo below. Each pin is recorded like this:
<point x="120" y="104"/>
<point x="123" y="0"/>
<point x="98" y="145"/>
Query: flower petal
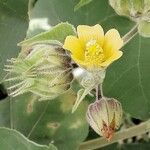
<point x="84" y="64"/>
<point x="112" y="41"/>
<point x="115" y="56"/>
<point x="87" y="33"/>
<point x="79" y="61"/>
<point x="74" y="45"/>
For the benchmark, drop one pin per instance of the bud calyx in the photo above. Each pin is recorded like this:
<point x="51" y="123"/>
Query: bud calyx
<point x="42" y="68"/>
<point x="105" y="116"/>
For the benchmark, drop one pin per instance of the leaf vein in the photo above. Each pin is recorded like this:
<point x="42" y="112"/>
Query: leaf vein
<point x="139" y="71"/>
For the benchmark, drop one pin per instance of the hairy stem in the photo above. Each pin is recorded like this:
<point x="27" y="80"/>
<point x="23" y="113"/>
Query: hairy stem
<point x="120" y="135"/>
<point x="127" y="37"/>
<point x="99" y="92"/>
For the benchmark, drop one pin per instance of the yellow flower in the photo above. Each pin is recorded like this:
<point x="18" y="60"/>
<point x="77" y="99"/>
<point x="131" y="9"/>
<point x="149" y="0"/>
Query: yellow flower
<point x="92" y="49"/>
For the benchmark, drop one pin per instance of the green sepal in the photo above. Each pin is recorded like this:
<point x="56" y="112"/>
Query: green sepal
<point x="89" y="82"/>
<point x="80" y="96"/>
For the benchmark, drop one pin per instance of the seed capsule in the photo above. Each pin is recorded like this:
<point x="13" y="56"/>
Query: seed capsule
<point x="105" y="116"/>
<point x="42" y="68"/>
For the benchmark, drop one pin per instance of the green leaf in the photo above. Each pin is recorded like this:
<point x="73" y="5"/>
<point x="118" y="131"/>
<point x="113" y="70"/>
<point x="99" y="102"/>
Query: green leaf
<point x="12" y="139"/>
<point x="144" y="28"/>
<point x="31" y="4"/>
<point x="81" y="4"/>
<point x="56" y="11"/>
<point x="46" y="121"/>
<point x="13" y="26"/>
<point x="59" y="33"/>
<point x="126" y="79"/>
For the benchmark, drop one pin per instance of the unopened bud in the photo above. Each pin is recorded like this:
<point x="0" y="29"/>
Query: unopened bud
<point x="42" y="68"/>
<point x="105" y="116"/>
<point x="135" y="9"/>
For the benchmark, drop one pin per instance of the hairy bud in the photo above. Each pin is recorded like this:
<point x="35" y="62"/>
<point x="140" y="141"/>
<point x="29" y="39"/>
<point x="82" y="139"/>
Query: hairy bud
<point x="42" y="68"/>
<point x="105" y="116"/>
<point x="135" y="9"/>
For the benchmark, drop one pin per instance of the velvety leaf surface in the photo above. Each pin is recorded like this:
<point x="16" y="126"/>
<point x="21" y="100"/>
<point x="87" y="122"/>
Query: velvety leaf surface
<point x="46" y="121"/>
<point x="13" y="140"/>
<point x="13" y="26"/>
<point x="59" y="33"/>
<point x="81" y="3"/>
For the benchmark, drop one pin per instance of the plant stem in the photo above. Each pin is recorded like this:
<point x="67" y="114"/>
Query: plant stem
<point x="99" y="92"/>
<point x="128" y="36"/>
<point x="121" y="135"/>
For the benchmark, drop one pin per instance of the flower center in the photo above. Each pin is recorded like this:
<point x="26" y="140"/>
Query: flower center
<point x="93" y="53"/>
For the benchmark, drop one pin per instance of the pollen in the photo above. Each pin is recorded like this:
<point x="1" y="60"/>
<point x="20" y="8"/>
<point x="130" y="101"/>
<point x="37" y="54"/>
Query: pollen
<point x="93" y="53"/>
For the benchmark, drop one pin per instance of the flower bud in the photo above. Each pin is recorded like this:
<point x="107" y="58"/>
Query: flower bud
<point x="135" y="9"/>
<point x="42" y="68"/>
<point x="144" y="28"/>
<point x="104" y="116"/>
